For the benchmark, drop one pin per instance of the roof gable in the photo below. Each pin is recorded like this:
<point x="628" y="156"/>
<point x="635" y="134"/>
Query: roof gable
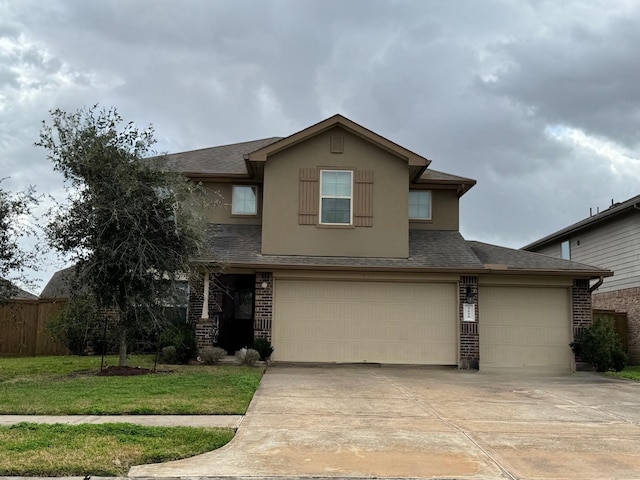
<point x="412" y="158"/>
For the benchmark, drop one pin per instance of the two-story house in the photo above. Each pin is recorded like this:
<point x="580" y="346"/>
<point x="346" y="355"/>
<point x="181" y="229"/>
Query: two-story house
<point x="342" y="246"/>
<point x="611" y="240"/>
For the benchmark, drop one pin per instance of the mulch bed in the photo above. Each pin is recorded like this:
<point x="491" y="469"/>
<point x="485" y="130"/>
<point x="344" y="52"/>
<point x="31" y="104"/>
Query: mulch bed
<point x="117" y="371"/>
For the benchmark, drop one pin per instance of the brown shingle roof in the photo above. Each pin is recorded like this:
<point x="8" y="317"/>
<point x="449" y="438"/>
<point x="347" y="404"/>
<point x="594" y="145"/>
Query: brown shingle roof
<point x="501" y="257"/>
<point x="59" y="285"/>
<point x="240" y="244"/>
<point x="15" y="292"/>
<point x="222" y="160"/>
<point x="429" y="250"/>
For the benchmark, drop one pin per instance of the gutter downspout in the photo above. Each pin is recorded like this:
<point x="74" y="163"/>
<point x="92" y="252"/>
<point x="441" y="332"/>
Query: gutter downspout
<point x="596" y="285"/>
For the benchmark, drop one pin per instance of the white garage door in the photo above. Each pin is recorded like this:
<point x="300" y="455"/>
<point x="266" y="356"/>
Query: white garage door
<point x="333" y="321"/>
<point x="525" y="327"/>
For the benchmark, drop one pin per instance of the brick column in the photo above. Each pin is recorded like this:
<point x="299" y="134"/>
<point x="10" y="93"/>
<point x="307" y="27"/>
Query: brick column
<point x="469" y="338"/>
<point x="206" y="328"/>
<point x="581" y="312"/>
<point x="263" y="312"/>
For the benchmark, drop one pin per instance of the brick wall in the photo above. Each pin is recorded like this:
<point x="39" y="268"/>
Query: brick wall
<point x="625" y="300"/>
<point x="263" y="312"/>
<point x="469" y="338"/>
<point x="206" y="329"/>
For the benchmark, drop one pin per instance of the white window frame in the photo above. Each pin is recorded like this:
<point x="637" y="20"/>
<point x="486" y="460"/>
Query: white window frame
<point x="349" y="197"/>
<point x="565" y="250"/>
<point x="234" y="202"/>
<point x="429" y="216"/>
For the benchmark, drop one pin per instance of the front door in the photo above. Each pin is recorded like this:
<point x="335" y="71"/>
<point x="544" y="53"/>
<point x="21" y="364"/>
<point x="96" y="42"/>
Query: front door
<point x="236" y="323"/>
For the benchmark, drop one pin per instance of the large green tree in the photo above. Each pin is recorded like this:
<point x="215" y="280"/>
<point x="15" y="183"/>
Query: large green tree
<point x="14" y="259"/>
<point x="130" y="225"/>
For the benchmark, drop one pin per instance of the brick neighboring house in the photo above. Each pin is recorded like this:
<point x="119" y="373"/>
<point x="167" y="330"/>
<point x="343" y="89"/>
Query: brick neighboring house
<point x="611" y="240"/>
<point x="343" y="246"/>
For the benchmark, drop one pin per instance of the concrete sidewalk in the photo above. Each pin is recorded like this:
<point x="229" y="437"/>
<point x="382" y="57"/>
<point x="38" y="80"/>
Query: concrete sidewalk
<point x="224" y="421"/>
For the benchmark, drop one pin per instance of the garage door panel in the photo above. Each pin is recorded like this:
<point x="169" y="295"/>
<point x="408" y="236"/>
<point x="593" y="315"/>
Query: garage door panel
<point x="325" y="321"/>
<point x="525" y="328"/>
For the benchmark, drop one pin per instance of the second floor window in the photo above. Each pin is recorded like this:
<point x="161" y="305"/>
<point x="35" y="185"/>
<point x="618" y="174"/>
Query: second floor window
<point x="420" y="205"/>
<point x="336" y="197"/>
<point x="244" y="201"/>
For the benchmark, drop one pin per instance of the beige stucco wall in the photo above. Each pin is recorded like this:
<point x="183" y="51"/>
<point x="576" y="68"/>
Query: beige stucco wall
<point x="220" y="195"/>
<point x="444" y="212"/>
<point x="281" y="233"/>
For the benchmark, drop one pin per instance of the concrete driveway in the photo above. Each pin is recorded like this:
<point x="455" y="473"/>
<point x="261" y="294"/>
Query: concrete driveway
<point x="369" y="421"/>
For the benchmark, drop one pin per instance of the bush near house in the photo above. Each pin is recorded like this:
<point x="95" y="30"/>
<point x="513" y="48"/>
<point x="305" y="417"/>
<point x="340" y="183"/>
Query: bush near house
<point x="263" y="347"/>
<point x="600" y="345"/>
<point x="182" y="337"/>
<point x="212" y="355"/>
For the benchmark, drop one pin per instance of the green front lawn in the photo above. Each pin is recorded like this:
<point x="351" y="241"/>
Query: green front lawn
<point x="69" y="386"/>
<point x="103" y="450"/>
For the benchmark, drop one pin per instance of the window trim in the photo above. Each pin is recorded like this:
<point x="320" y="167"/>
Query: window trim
<point x="321" y="197"/>
<point x="233" y="201"/>
<point x="421" y="219"/>
<point x="565" y="250"/>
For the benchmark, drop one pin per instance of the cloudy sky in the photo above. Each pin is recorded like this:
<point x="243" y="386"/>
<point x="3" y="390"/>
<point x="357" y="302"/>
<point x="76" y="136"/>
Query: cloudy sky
<point x="538" y="101"/>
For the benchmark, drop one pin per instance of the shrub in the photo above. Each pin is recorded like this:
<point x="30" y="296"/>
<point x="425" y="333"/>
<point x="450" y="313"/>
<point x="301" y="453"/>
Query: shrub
<point x="600" y="345"/>
<point x="182" y="336"/>
<point x="247" y="356"/>
<point x="80" y="327"/>
<point x="212" y="355"/>
<point x="619" y="360"/>
<point x="264" y="348"/>
<point x="169" y="354"/>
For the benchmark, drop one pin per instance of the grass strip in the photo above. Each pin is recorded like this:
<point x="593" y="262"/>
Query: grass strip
<point x="109" y="449"/>
<point x="630" y="373"/>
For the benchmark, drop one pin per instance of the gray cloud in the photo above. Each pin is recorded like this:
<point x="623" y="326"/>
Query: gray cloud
<point x="484" y="89"/>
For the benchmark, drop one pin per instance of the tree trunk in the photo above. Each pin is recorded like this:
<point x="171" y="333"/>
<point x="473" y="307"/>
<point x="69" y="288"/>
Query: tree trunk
<point x="122" y="359"/>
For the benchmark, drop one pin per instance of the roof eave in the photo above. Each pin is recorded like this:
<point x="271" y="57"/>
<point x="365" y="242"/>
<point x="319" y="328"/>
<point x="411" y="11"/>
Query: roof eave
<point x="417" y="269"/>
<point x="582" y="225"/>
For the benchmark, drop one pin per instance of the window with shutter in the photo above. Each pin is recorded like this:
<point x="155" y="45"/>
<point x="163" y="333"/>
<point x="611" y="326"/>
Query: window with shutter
<point x="347" y="197"/>
<point x="308" y="196"/>
<point x="363" y="198"/>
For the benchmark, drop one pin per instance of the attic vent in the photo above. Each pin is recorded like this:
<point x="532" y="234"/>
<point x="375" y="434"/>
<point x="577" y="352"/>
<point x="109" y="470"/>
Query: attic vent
<point x="337" y="144"/>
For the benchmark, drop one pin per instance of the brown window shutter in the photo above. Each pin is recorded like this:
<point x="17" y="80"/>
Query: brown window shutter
<point x="308" y="196"/>
<point x="363" y="198"/>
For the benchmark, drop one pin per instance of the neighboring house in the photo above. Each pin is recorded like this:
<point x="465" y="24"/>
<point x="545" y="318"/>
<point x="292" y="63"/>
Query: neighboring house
<point x="16" y="293"/>
<point x="59" y="285"/>
<point x="610" y="240"/>
<point x="342" y="246"/>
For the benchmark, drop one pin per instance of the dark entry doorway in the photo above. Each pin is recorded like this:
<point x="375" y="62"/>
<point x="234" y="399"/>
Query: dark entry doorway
<point x="236" y="322"/>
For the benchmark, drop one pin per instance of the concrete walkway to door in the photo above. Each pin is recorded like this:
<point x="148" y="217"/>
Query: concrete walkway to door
<point x="368" y="421"/>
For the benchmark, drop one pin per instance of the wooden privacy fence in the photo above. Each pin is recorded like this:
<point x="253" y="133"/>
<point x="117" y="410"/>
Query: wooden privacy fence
<point x="22" y="328"/>
<point x="619" y="321"/>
